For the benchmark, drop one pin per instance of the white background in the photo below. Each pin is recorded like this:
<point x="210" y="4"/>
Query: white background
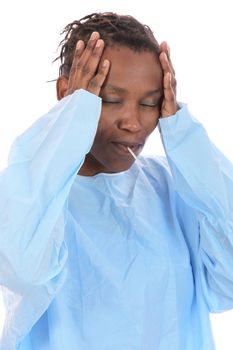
<point x="198" y="32"/>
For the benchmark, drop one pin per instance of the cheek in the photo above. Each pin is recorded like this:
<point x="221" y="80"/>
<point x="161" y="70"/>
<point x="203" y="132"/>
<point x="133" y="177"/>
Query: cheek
<point x="106" y="120"/>
<point x="150" y="120"/>
<point x="103" y="133"/>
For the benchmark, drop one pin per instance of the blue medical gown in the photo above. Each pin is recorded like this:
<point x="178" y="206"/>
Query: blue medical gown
<point x="124" y="261"/>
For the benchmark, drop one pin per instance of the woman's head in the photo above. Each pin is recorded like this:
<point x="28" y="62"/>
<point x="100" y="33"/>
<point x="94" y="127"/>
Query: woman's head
<point x="114" y="29"/>
<point x="131" y="87"/>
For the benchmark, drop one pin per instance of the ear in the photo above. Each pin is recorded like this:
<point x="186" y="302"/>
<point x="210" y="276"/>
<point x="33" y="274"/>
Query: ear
<point x="62" y="85"/>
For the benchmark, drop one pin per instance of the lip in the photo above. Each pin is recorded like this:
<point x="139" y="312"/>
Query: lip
<point x="122" y="147"/>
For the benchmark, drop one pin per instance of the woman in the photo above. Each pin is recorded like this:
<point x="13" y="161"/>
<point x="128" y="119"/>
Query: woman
<point x="97" y="250"/>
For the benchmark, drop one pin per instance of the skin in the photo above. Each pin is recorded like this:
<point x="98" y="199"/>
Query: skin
<point x="137" y="88"/>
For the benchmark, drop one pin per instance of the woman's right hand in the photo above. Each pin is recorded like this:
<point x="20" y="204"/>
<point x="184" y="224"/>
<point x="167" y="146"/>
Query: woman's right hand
<point x="83" y="72"/>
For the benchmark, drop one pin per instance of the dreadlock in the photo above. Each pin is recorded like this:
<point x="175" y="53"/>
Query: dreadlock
<point x="114" y="29"/>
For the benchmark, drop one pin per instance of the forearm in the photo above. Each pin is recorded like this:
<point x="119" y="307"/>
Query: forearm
<point x="203" y="178"/>
<point x="42" y="167"/>
<point x="202" y="175"/>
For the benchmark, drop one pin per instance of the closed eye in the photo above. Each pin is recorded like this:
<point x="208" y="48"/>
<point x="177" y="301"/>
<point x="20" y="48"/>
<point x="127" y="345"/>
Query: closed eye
<point x="110" y="101"/>
<point x="141" y="104"/>
<point x="148" y="105"/>
<point x="155" y="103"/>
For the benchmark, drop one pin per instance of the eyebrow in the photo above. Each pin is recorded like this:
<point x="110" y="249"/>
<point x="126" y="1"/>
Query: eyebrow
<point x="119" y="89"/>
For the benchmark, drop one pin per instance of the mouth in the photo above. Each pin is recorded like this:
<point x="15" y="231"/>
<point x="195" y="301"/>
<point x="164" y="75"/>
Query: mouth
<point x="122" y="147"/>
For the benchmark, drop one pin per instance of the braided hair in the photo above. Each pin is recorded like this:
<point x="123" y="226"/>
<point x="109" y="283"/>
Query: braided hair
<point x="114" y="29"/>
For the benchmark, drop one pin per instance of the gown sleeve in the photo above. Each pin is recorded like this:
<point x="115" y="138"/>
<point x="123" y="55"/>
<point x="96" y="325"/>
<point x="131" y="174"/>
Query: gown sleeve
<point x="34" y="189"/>
<point x="203" y="180"/>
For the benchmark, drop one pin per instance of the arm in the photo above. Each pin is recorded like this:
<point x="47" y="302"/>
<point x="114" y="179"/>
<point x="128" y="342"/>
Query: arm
<point x="203" y="179"/>
<point x="34" y="188"/>
<point x="43" y="163"/>
<point x="33" y="191"/>
<point x="42" y="166"/>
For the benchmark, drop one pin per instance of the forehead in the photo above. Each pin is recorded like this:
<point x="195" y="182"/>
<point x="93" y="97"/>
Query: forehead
<point x="130" y="69"/>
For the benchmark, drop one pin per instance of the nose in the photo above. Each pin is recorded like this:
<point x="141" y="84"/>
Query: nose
<point x="130" y="119"/>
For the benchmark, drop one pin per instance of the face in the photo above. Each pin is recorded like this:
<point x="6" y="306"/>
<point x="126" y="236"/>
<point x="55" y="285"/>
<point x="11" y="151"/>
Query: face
<point x="131" y="101"/>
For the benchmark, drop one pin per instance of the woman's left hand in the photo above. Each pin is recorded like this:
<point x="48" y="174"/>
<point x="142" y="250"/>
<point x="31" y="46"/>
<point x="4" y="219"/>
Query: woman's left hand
<point x="169" y="105"/>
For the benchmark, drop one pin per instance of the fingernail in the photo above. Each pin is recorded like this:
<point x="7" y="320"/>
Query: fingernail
<point x="98" y="44"/>
<point x="79" y="44"/>
<point x="94" y="35"/>
<point x="105" y="63"/>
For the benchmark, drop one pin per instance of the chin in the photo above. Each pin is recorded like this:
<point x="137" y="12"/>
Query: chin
<point x="117" y="168"/>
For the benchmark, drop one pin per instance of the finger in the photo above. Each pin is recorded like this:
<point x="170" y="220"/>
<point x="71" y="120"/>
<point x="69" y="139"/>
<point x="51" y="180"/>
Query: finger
<point x="87" y="63"/>
<point x="167" y="68"/>
<point x="164" y="47"/>
<point x="168" y="91"/>
<point x="168" y="51"/>
<point x="171" y="66"/>
<point x="169" y="103"/>
<point x="97" y="82"/>
<point x="165" y="63"/>
<point x="89" y="48"/>
<point x="80" y="46"/>
<point x="81" y="72"/>
<point x="89" y="70"/>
